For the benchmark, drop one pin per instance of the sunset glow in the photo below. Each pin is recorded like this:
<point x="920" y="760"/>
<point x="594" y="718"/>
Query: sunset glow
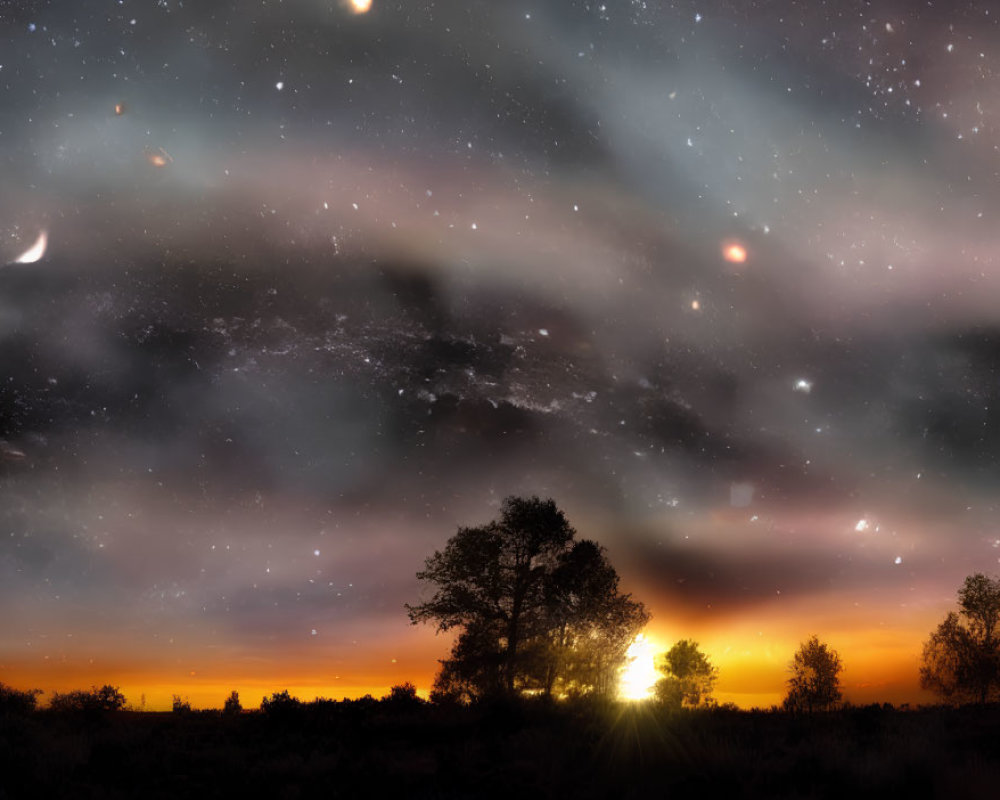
<point x="639" y="674"/>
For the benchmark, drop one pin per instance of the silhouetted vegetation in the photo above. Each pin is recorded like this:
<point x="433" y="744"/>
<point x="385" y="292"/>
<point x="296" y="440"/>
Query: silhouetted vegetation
<point x="280" y="704"/>
<point x="180" y="706"/>
<point x="232" y="704"/>
<point x="815" y="681"/>
<point x="537" y="612"/>
<point x="15" y="701"/>
<point x="688" y="676"/>
<point x="961" y="660"/>
<point x="586" y="748"/>
<point x="403" y="697"/>
<point x="107" y="698"/>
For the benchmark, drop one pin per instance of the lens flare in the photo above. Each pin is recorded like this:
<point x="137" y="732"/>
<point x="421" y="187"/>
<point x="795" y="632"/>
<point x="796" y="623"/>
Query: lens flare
<point x="361" y="6"/>
<point x="639" y="675"/>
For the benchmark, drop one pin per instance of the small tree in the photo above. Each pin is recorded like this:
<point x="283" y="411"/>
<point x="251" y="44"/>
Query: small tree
<point x="180" y="706"/>
<point x="403" y="697"/>
<point x="814" y="685"/>
<point x="961" y="660"/>
<point x="688" y="676"/>
<point x="232" y="705"/>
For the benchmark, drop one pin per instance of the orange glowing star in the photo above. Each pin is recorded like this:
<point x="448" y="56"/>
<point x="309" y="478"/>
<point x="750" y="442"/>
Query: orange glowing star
<point x="734" y="253"/>
<point x="159" y="157"/>
<point x="361" y="6"/>
<point x="119" y="109"/>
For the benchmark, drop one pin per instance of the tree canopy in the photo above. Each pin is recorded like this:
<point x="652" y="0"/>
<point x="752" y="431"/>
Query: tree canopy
<point x="537" y="611"/>
<point x="961" y="660"/>
<point x="107" y="698"/>
<point x="688" y="676"/>
<point x="15" y="701"/>
<point x="814" y="685"/>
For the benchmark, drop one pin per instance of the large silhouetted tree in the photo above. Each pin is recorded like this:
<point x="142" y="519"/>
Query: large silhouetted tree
<point x="961" y="660"/>
<point x="814" y="685"/>
<point x="688" y="676"/>
<point x="588" y="625"/>
<point x="536" y="610"/>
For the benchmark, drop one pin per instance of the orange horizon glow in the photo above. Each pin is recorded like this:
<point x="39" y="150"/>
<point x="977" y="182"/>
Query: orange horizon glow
<point x="879" y="666"/>
<point x="878" y="634"/>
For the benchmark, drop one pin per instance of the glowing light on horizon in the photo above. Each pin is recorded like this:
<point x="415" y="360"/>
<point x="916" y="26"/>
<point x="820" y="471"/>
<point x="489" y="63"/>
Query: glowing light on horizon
<point x="734" y="253"/>
<point x="361" y="6"/>
<point x="36" y="251"/>
<point x="639" y="675"/>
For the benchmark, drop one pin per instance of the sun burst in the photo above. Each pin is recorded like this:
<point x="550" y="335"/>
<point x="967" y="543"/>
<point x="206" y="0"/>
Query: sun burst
<point x="639" y="675"/>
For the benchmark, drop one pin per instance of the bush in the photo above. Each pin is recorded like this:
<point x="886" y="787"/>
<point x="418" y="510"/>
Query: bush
<point x="181" y="706"/>
<point x="107" y="698"/>
<point x="14" y="701"/>
<point x="403" y="696"/>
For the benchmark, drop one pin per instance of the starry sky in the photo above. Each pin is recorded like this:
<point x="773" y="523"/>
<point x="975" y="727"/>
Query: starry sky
<point x="293" y="289"/>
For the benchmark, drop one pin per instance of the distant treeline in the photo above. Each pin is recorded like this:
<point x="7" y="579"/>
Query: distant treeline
<point x="590" y="747"/>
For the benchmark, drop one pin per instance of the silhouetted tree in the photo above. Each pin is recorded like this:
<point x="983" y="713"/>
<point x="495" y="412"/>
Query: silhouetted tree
<point x="107" y="698"/>
<point x="474" y="669"/>
<point x="961" y="660"/>
<point x="688" y="676"/>
<point x="814" y="685"/>
<point x="232" y="704"/>
<point x="536" y="609"/>
<point x="15" y="701"/>
<point x="280" y="703"/>
<point x="180" y="706"/>
<point x="403" y="697"/>
<point x="589" y="625"/>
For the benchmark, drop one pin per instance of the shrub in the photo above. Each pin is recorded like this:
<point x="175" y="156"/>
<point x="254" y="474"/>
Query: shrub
<point x="14" y="701"/>
<point x="107" y="698"/>
<point x="403" y="696"/>
<point x="181" y="706"/>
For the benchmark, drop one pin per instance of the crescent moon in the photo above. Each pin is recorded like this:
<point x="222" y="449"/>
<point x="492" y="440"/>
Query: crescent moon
<point x="36" y="251"/>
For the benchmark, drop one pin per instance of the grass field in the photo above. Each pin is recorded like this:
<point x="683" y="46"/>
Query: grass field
<point x="369" y="748"/>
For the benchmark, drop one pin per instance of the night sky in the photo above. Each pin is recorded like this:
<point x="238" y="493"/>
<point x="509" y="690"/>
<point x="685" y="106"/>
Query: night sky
<point x="322" y="283"/>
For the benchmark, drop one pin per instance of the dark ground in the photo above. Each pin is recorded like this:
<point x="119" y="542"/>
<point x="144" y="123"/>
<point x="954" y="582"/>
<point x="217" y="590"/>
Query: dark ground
<point x="413" y="750"/>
